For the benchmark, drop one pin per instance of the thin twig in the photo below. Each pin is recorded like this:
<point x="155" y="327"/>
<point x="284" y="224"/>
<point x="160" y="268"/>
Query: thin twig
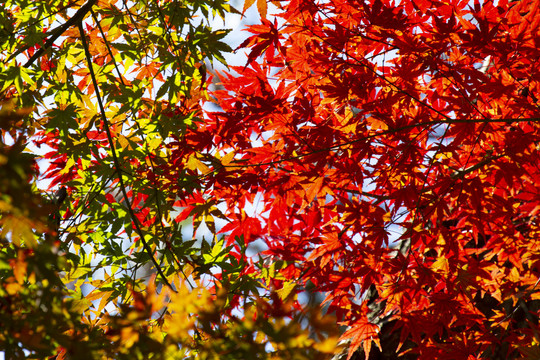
<point x="120" y="77"/>
<point x="238" y="163"/>
<point x="57" y="32"/>
<point x="117" y="162"/>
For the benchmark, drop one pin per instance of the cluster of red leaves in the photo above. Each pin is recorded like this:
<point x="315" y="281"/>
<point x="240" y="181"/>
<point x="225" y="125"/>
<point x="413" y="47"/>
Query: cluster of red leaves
<point x="394" y="146"/>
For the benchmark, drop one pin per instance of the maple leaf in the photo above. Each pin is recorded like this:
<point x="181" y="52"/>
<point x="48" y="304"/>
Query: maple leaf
<point x="361" y="333"/>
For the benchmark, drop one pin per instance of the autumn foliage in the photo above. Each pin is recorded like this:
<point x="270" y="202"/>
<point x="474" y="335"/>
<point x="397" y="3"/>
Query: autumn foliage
<point x="384" y="154"/>
<point x="392" y="150"/>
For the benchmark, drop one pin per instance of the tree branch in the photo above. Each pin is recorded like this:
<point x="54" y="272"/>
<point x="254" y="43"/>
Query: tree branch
<point x="117" y="162"/>
<point x="238" y="163"/>
<point x="57" y="32"/>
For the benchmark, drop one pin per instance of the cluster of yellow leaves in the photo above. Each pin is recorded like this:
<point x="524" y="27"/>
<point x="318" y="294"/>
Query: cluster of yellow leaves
<point x="194" y="323"/>
<point x="13" y="284"/>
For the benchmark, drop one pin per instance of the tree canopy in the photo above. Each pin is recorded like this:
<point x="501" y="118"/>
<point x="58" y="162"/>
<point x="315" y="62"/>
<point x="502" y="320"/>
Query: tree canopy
<point x="384" y="154"/>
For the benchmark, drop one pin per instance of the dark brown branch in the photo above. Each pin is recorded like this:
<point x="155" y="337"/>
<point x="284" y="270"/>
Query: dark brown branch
<point x="117" y="162"/>
<point x="175" y="257"/>
<point x="57" y="32"/>
<point x="238" y="163"/>
<point x="461" y="173"/>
